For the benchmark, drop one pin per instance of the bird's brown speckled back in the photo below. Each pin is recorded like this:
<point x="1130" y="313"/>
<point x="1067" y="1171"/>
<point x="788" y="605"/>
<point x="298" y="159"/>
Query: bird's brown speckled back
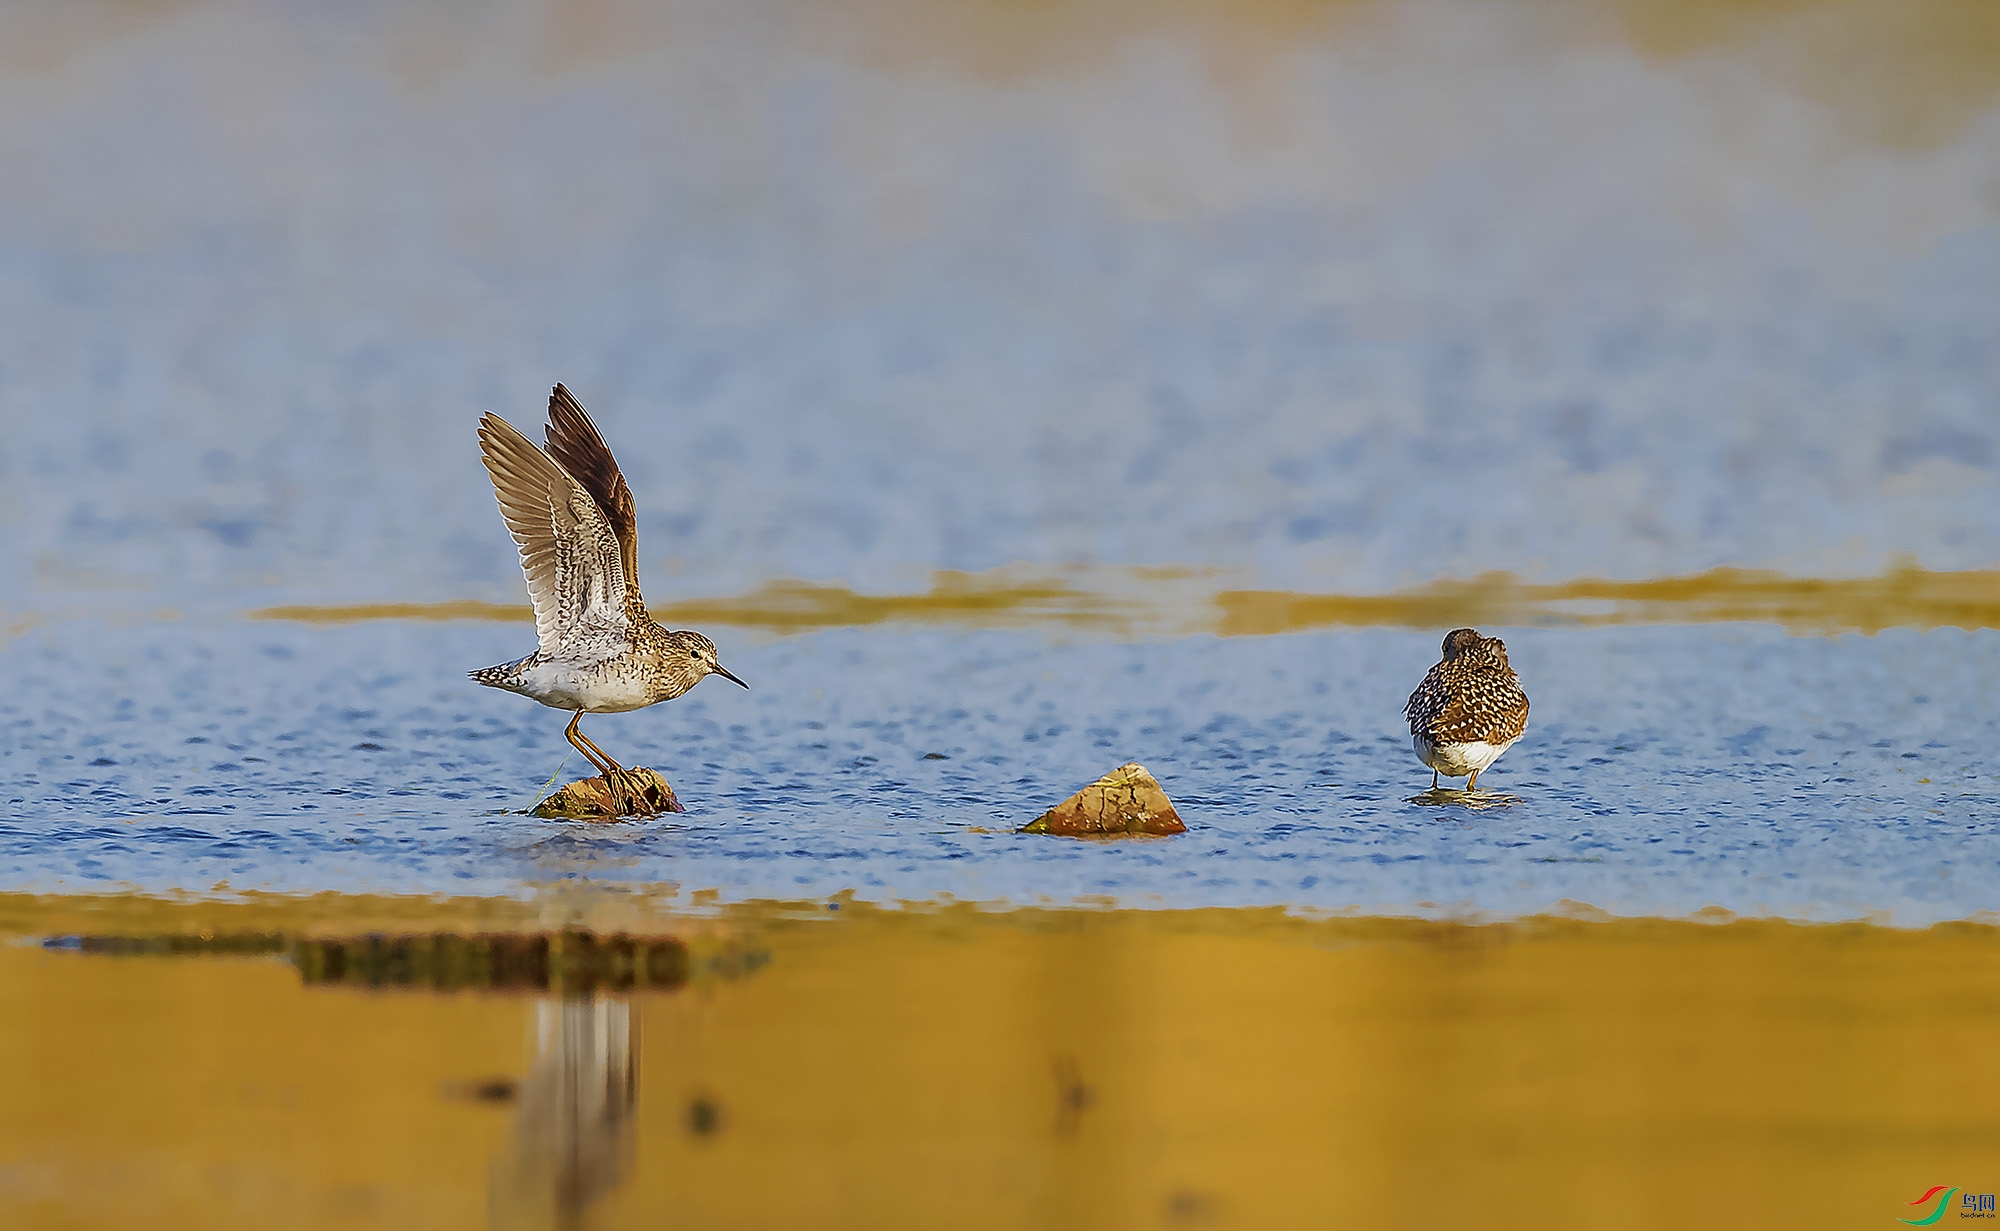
<point x="1471" y="694"/>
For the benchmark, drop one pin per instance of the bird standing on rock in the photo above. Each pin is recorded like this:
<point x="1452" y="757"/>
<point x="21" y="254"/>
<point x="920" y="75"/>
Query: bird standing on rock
<point x="1469" y="709"/>
<point x="599" y="651"/>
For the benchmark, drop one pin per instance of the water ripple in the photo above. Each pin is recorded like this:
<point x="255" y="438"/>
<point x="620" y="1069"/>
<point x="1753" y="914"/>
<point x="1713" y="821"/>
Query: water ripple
<point x="1666" y="769"/>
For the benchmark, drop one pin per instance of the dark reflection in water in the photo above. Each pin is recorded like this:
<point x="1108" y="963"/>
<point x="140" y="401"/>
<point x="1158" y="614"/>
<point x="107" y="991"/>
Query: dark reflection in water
<point x="1073" y="1095"/>
<point x="572" y="1140"/>
<point x="573" y="963"/>
<point x="568" y="963"/>
<point x="1475" y="801"/>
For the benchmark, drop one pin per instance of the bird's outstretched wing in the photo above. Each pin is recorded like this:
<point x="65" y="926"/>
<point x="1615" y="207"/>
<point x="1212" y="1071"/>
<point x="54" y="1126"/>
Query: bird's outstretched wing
<point x="576" y="578"/>
<point x="575" y="442"/>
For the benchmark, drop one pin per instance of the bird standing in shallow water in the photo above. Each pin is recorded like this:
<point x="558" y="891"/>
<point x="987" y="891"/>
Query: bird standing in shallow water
<point x="599" y="651"/>
<point x="1469" y="709"/>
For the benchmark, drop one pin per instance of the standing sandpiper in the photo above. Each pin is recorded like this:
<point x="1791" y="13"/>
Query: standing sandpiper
<point x="1469" y="709"/>
<point x="572" y="514"/>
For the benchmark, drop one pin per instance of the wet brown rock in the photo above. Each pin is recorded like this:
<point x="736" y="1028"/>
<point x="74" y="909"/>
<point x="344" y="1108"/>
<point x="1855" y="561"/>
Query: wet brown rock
<point x="1128" y="800"/>
<point x="636" y="792"/>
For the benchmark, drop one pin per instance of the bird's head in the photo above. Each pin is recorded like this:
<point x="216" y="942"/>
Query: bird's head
<point x="1467" y="640"/>
<point x="701" y="656"/>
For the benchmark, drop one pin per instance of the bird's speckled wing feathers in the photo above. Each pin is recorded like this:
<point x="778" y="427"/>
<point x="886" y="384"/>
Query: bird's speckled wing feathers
<point x="576" y="444"/>
<point x="569" y="553"/>
<point x="1461" y="701"/>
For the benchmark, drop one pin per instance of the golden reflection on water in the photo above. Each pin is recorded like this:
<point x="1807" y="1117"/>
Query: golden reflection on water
<point x="956" y="1067"/>
<point x="1177" y="602"/>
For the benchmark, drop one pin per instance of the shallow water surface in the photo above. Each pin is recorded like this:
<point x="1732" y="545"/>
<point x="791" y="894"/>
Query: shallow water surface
<point x="1666" y="769"/>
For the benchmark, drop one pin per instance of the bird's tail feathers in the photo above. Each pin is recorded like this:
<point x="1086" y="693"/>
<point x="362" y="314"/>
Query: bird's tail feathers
<point x="505" y="675"/>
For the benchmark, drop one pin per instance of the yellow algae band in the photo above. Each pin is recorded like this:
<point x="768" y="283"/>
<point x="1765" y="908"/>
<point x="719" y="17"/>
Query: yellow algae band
<point x="1901" y="598"/>
<point x="957" y="1067"/>
<point x="1182" y="602"/>
<point x="992" y="601"/>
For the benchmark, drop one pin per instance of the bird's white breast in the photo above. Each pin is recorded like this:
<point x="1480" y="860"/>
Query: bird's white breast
<point x="569" y="687"/>
<point x="1459" y="760"/>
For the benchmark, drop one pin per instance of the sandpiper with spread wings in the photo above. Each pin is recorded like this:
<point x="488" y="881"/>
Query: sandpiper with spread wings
<point x="571" y="512"/>
<point x="1469" y="709"/>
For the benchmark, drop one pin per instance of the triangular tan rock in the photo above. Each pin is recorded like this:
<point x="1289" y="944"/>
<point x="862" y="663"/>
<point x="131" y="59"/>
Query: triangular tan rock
<point x="1128" y="800"/>
<point x="643" y="793"/>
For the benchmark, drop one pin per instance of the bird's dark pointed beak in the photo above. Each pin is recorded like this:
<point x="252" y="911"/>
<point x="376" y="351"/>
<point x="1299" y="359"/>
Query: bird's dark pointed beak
<point x="725" y="673"/>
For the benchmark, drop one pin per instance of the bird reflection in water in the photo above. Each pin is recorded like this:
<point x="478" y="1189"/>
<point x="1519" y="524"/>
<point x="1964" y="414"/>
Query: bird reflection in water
<point x="572" y="1141"/>
<point x="1073" y="1095"/>
<point x="1472" y="801"/>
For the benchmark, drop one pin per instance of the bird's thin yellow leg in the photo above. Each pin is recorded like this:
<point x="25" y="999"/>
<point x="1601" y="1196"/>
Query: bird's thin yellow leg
<point x="600" y="752"/>
<point x="626" y="797"/>
<point x="1472" y="783"/>
<point x="589" y="750"/>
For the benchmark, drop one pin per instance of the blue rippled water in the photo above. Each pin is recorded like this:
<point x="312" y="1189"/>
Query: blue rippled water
<point x="1666" y="769"/>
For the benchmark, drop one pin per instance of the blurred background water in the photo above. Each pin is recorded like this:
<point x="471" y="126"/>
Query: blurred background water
<point x="1344" y="296"/>
<point x="1337" y="295"/>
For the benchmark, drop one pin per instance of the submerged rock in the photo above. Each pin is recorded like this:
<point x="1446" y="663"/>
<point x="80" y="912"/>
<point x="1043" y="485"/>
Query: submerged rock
<point x="1128" y="800"/>
<point x="637" y="792"/>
